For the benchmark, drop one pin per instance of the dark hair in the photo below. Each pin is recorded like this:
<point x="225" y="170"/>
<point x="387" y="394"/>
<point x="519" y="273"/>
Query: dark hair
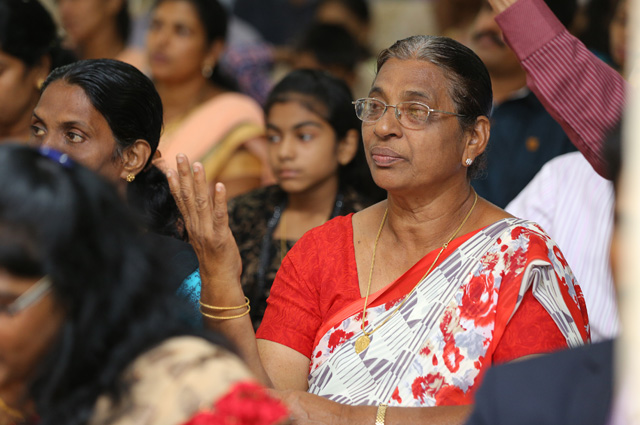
<point x="130" y="104"/>
<point x="70" y="224"/>
<point x="599" y="14"/>
<point x="330" y="98"/>
<point x="613" y="154"/>
<point x="332" y="46"/>
<point x="565" y="10"/>
<point x="470" y="84"/>
<point x="358" y="8"/>
<point x="28" y="33"/>
<point x="215" y="22"/>
<point x="123" y="22"/>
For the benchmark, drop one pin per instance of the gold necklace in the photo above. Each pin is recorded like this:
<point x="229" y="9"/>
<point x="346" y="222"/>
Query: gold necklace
<point x="363" y="341"/>
<point x="15" y="414"/>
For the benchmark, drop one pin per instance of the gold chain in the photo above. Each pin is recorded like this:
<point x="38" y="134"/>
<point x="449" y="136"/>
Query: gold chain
<point x="373" y="259"/>
<point x="16" y="414"/>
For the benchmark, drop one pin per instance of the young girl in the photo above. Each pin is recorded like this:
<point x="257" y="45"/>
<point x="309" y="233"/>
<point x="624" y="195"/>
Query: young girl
<point x="316" y="154"/>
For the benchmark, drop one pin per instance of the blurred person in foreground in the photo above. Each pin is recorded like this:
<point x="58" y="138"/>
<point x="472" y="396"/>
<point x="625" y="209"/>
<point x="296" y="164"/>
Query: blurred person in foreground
<point x="90" y="332"/>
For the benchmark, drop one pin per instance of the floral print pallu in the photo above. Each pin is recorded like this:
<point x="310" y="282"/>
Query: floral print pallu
<point x="434" y="349"/>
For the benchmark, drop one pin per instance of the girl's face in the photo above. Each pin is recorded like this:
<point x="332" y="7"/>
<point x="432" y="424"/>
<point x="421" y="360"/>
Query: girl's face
<point x="303" y="150"/>
<point x="27" y="335"/>
<point x="177" y="43"/>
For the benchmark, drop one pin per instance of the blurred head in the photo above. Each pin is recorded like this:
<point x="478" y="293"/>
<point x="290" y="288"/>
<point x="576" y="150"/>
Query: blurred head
<point x="104" y="113"/>
<point x="329" y="47"/>
<point x="83" y="20"/>
<point x="444" y="75"/>
<point x="488" y="43"/>
<point x="107" y="294"/>
<point x="353" y="15"/>
<point x="313" y="133"/>
<point x="185" y="39"/>
<point x="618" y="35"/>
<point x="27" y="44"/>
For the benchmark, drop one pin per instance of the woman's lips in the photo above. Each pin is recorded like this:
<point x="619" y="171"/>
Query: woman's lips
<point x="384" y="157"/>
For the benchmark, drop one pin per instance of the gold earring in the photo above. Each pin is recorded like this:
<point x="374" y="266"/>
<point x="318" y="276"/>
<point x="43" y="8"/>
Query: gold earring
<point x="130" y="177"/>
<point x="39" y="83"/>
<point x="207" y="71"/>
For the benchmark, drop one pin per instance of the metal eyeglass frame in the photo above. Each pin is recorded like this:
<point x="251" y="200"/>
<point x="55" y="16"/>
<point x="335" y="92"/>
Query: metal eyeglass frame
<point x="29" y="297"/>
<point x="360" y="101"/>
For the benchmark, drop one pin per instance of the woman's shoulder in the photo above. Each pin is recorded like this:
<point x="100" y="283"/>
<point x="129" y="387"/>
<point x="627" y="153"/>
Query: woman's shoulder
<point x="236" y="102"/>
<point x="171" y="381"/>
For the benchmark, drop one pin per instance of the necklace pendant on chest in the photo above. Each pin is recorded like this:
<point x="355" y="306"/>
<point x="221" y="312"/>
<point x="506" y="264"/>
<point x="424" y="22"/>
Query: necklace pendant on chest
<point x="362" y="343"/>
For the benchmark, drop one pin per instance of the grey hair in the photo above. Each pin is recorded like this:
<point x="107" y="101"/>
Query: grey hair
<point x="470" y="84"/>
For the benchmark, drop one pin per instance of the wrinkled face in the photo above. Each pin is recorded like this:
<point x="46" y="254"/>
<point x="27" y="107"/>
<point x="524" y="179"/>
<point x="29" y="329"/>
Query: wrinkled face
<point x="176" y="42"/>
<point x="488" y="43"/>
<point x="26" y="336"/>
<point x="82" y="19"/>
<point x="302" y="147"/>
<point x="618" y="35"/>
<point x="402" y="159"/>
<point x="18" y="93"/>
<point x="64" y="119"/>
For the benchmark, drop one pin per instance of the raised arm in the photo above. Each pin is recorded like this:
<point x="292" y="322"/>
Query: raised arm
<point x="582" y="93"/>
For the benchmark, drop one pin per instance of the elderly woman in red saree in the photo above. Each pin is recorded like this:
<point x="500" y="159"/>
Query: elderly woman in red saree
<point x="408" y="302"/>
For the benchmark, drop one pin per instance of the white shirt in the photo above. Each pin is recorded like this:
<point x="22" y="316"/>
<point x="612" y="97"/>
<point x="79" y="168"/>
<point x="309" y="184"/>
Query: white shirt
<point x="574" y="205"/>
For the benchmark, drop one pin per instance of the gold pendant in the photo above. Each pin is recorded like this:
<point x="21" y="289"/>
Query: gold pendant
<point x="362" y="343"/>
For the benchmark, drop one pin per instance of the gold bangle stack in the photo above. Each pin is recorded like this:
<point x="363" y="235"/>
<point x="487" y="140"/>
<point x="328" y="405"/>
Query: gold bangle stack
<point x="237" y="316"/>
<point x="381" y="414"/>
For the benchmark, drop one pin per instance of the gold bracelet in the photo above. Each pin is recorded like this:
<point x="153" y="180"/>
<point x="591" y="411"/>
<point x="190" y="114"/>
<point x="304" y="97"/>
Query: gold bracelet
<point x="212" y="307"/>
<point x="380" y="415"/>
<point x="237" y="316"/>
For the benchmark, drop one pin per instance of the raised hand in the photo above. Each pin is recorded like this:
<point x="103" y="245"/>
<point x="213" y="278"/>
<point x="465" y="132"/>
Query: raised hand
<point x="207" y="224"/>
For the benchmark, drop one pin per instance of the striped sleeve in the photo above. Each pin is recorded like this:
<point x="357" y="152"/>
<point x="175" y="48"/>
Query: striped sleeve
<point x="582" y="93"/>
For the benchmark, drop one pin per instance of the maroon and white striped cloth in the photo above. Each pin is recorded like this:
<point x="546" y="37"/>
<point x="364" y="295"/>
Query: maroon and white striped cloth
<point x="582" y="93"/>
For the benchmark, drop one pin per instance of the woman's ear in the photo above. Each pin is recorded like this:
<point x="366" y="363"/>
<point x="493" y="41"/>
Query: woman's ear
<point x="348" y="146"/>
<point x="476" y="140"/>
<point x="134" y="158"/>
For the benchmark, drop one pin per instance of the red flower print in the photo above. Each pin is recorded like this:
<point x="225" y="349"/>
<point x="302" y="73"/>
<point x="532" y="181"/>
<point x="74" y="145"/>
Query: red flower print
<point x="338" y="338"/>
<point x="425" y="351"/>
<point x="450" y="395"/>
<point x="560" y="257"/>
<point x="452" y="356"/>
<point x="396" y="396"/>
<point x="425" y="386"/>
<point x="477" y="301"/>
<point x="246" y="404"/>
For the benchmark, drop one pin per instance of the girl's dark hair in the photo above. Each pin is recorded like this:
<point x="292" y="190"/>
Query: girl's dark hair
<point x="130" y="104"/>
<point x="215" y="22"/>
<point x="359" y="8"/>
<point x="330" y="98"/>
<point x="123" y="22"/>
<point x="70" y="224"/>
<point x="470" y="84"/>
<point x="28" y="33"/>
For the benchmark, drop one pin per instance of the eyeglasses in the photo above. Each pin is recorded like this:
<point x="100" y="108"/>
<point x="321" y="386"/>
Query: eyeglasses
<point x="28" y="298"/>
<point x="411" y="115"/>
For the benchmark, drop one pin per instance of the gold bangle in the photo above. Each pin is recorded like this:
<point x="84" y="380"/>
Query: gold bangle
<point x="380" y="415"/>
<point x="237" y="316"/>
<point x="212" y="307"/>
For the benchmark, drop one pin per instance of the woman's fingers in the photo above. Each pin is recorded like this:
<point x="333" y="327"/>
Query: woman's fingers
<point x="220" y="213"/>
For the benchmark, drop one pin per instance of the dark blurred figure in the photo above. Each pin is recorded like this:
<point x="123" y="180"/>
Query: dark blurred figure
<point x="523" y="134"/>
<point x="29" y="50"/>
<point x="329" y="47"/>
<point x="98" y="29"/>
<point x="454" y="17"/>
<point x="278" y="21"/>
